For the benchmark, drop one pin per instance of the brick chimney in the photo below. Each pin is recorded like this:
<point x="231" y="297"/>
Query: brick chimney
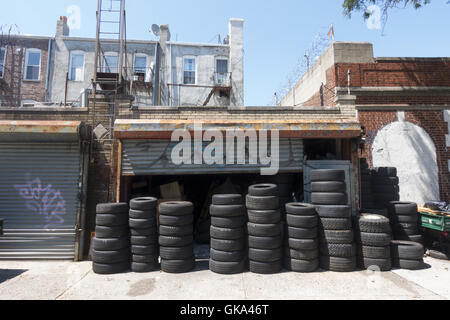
<point x="62" y="29"/>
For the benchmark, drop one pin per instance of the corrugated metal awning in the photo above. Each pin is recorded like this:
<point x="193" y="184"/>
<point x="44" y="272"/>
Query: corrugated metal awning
<point x="36" y="131"/>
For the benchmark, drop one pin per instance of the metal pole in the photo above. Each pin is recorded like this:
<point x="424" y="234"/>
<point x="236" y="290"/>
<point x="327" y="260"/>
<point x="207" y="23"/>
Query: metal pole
<point x="122" y="22"/>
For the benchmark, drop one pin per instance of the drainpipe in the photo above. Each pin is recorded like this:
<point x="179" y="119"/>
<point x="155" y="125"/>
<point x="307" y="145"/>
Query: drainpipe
<point x="49" y="53"/>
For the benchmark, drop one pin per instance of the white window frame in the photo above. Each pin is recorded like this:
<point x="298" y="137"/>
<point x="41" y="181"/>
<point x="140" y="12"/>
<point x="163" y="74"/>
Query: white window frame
<point x="110" y="54"/>
<point x="216" y="71"/>
<point x="72" y="53"/>
<point x="196" y="69"/>
<point x="140" y="55"/>
<point x="2" y="63"/>
<point x="28" y="51"/>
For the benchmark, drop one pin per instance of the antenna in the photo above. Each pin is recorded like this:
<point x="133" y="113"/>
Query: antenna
<point x="156" y="30"/>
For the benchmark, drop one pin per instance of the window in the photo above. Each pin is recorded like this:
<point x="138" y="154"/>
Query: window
<point x="110" y="62"/>
<point x="76" y="66"/>
<point x="189" y="70"/>
<point x="221" y="71"/>
<point x="33" y="64"/>
<point x="140" y="63"/>
<point x="2" y="61"/>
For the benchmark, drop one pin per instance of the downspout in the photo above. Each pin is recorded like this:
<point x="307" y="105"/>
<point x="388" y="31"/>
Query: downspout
<point x="49" y="53"/>
<point x="156" y="74"/>
<point x="169" y="78"/>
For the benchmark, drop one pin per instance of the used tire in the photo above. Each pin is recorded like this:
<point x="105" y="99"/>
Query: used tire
<point x="408" y="264"/>
<point x="262" y="190"/>
<point x="176" y="220"/>
<point x="375" y="264"/>
<point x="177" y="231"/>
<point x="402" y="208"/>
<point x="263" y="255"/>
<point x="264" y="216"/>
<point x="335" y="223"/>
<point x="302" y="221"/>
<point x="329" y="198"/>
<point x="302" y="233"/>
<point x="144" y="240"/>
<point x="227" y="233"/>
<point x="227" y="199"/>
<point x="176" y="208"/>
<point x="374" y="239"/>
<point x="227" y="256"/>
<point x="372" y="223"/>
<point x="102" y="232"/>
<point x="110" y="244"/>
<point x="228" y="245"/>
<point x="109" y="257"/>
<point x="328" y="186"/>
<point x="141" y="267"/>
<point x="142" y="223"/>
<point x="221" y="267"/>
<point x="337" y="264"/>
<point x="178" y="266"/>
<point x="227" y="210"/>
<point x="140" y="214"/>
<point x="296" y="265"/>
<point x="144" y="204"/>
<point x="166" y="241"/>
<point x="112" y="208"/>
<point x="265" y="267"/>
<point x="262" y="202"/>
<point x="144" y="232"/>
<point x="111" y="220"/>
<point x="302" y="244"/>
<point x="336" y="211"/>
<point x="265" y="242"/>
<point x="102" y="268"/>
<point x="228" y="222"/>
<point x="263" y="230"/>
<point x="152" y="258"/>
<point x="176" y="253"/>
<point x="301" y="209"/>
<point x="145" y="250"/>
<point x="301" y="254"/>
<point x="327" y="175"/>
<point x="338" y="250"/>
<point x="406" y="250"/>
<point x="375" y="252"/>
<point x="336" y="236"/>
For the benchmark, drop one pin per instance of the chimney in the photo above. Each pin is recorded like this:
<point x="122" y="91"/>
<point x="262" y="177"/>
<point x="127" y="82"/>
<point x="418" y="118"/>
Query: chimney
<point x="164" y="34"/>
<point x="62" y="29"/>
<point x="236" y="43"/>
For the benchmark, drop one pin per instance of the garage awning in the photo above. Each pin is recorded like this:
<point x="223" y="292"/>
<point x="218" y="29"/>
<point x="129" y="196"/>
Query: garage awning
<point x="48" y="131"/>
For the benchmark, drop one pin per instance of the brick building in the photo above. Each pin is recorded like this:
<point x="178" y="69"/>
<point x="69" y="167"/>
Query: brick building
<point x="403" y="104"/>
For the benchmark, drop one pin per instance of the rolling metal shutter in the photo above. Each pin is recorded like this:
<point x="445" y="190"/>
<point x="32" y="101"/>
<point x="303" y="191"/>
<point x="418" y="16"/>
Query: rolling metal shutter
<point x="40" y="187"/>
<point x="153" y="157"/>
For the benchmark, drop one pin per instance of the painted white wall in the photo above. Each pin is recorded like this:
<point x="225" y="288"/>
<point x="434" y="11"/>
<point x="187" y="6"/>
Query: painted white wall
<point x="410" y="149"/>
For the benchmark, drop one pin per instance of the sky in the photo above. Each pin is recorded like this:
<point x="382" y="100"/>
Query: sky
<point x="276" y="33"/>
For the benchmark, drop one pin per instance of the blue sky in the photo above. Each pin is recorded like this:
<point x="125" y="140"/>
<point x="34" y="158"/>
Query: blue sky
<point x="277" y="33"/>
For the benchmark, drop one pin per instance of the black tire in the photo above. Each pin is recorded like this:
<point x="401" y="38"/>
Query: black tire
<point x="302" y="233"/>
<point x="403" y="226"/>
<point x="228" y="245"/>
<point x="336" y="236"/>
<point x="302" y="244"/>
<point x="142" y="223"/>
<point x="330" y="198"/>
<point x="301" y="254"/>
<point x="338" y="250"/>
<point x="144" y="204"/>
<point x="328" y="186"/>
<point x="152" y="258"/>
<point x="372" y="223"/>
<point x="265" y="267"/>
<point x="335" y="223"/>
<point x="102" y="232"/>
<point x="176" y="208"/>
<point x="302" y="221"/>
<point x="101" y="268"/>
<point x="262" y="202"/>
<point x="338" y="264"/>
<point x="176" y="253"/>
<point x="327" y="175"/>
<point x="178" y="266"/>
<point x="406" y="250"/>
<point x="263" y="230"/>
<point x="300" y="209"/>
<point x="374" y="264"/>
<point x="334" y="211"/>
<point x="374" y="239"/>
<point x="176" y="221"/>
<point x="166" y="241"/>
<point x="413" y="238"/>
<point x="265" y="242"/>
<point x="439" y="255"/>
<point x="220" y="267"/>
<point x="140" y="214"/>
<point x="408" y="264"/>
<point x="382" y="212"/>
<point x="374" y="252"/>
<point x="110" y="257"/>
<point x="112" y="208"/>
<point x="227" y="210"/>
<point x="110" y="244"/>
<point x="405" y="232"/>
<point x="144" y="240"/>
<point x="227" y="233"/>
<point x="179" y="231"/>
<point x="377" y="180"/>
<point x="262" y="255"/>
<point x="264" y="216"/>
<point x="303" y="266"/>
<point x="395" y="219"/>
<point x="228" y="222"/>
<point x="227" y="199"/>
<point x="111" y="220"/>
<point x="142" y="267"/>
<point x="153" y="231"/>
<point x="402" y="208"/>
<point x="228" y="256"/>
<point x="263" y="190"/>
<point x="145" y="250"/>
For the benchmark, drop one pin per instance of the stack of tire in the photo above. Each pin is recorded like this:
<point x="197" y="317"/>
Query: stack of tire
<point x="111" y="244"/>
<point x="285" y="183"/>
<point x="265" y="229"/>
<point x="302" y="249"/>
<point x="228" y="253"/>
<point x="373" y="234"/>
<point x="405" y="221"/>
<point x="367" y="198"/>
<point x="176" y="236"/>
<point x="336" y="236"/>
<point x="144" y="235"/>
<point x="407" y="255"/>
<point x="385" y="186"/>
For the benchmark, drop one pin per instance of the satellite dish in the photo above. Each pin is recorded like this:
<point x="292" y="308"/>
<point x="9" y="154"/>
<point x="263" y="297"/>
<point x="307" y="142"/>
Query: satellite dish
<point x="156" y="30"/>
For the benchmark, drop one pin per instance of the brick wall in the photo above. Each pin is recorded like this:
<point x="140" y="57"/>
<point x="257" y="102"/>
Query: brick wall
<point x="13" y="87"/>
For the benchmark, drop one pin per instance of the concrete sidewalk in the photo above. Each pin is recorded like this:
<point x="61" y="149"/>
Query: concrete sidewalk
<point x="68" y="280"/>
